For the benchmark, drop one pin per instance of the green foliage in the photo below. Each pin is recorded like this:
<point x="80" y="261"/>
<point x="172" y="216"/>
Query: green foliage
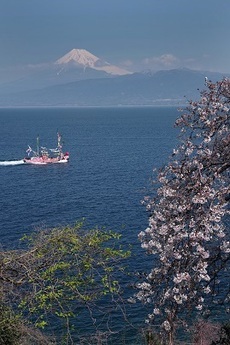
<point x="10" y="327"/>
<point x="63" y="271"/>
<point x="151" y="338"/>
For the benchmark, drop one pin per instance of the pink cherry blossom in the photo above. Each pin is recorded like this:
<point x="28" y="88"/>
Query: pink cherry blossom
<point x="187" y="232"/>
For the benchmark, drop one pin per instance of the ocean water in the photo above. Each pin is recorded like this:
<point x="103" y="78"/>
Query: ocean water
<point x="113" y="152"/>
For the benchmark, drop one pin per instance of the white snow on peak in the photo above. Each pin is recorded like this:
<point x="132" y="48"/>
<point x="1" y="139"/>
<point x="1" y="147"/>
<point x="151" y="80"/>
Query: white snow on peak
<point x="81" y="56"/>
<point x="87" y="59"/>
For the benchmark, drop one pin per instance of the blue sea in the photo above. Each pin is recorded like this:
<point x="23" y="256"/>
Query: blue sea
<point x="113" y="152"/>
<point x="112" y="155"/>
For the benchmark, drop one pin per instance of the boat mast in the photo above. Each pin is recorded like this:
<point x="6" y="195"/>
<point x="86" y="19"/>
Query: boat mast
<point x="59" y="141"/>
<point x="38" y="145"/>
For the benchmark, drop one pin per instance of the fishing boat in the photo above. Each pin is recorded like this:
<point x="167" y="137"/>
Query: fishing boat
<point x="44" y="155"/>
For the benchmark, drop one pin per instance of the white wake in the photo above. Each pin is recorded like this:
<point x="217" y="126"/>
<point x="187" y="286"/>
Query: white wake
<point x="7" y="163"/>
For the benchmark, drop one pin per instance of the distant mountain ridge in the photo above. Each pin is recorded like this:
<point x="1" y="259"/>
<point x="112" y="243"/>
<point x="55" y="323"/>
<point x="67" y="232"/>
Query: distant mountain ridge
<point x="166" y="87"/>
<point x="77" y="64"/>
<point x="80" y="78"/>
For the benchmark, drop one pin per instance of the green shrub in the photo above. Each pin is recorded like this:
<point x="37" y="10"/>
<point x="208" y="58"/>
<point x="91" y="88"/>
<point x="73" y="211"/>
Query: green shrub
<point x="10" y="327"/>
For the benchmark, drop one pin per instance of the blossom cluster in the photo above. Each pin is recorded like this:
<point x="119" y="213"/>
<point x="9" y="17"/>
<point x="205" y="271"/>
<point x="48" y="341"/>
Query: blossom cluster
<point x="186" y="233"/>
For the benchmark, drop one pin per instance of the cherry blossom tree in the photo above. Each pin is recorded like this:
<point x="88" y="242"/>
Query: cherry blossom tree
<point x="187" y="232"/>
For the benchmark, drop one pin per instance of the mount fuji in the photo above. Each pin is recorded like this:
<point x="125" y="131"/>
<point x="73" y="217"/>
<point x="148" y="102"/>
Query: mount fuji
<point x="76" y="65"/>
<point x="85" y="59"/>
<point x="80" y="78"/>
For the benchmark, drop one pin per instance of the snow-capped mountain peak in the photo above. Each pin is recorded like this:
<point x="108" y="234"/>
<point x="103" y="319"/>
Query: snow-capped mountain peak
<point x="80" y="56"/>
<point x="86" y="59"/>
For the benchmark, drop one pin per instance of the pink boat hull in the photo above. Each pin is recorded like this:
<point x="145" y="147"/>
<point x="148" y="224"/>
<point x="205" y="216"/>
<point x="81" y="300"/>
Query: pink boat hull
<point x="46" y="160"/>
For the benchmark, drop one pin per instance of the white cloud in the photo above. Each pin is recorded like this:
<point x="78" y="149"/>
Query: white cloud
<point x="127" y="63"/>
<point x="169" y="61"/>
<point x="154" y="63"/>
<point x="163" y="61"/>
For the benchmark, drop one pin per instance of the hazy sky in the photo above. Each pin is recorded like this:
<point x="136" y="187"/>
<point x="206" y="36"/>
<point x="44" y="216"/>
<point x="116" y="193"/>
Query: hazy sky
<point x="139" y="34"/>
